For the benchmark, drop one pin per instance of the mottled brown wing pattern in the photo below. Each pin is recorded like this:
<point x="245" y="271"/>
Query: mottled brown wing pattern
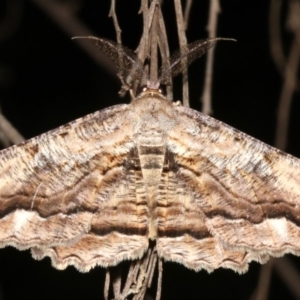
<point x="188" y="240"/>
<point x="95" y="190"/>
<point x="234" y="198"/>
<point x="75" y="193"/>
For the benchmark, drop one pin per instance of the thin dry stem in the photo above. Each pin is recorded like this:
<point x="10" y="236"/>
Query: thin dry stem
<point x="214" y="10"/>
<point x="141" y="280"/>
<point x="165" y="51"/>
<point x="289" y="275"/>
<point x="148" y="15"/>
<point x="130" y="278"/>
<point x="113" y="15"/>
<point x="289" y="71"/>
<point x="9" y="131"/>
<point x="106" y="284"/>
<point x="276" y="44"/>
<point x="152" y="266"/>
<point x="182" y="43"/>
<point x="286" y="96"/>
<point x="159" y="281"/>
<point x="283" y="267"/>
<point x="187" y="11"/>
<point x="275" y="35"/>
<point x="139" y="277"/>
<point x="154" y="50"/>
<point x="5" y="142"/>
<point x="143" y="45"/>
<point x="144" y="48"/>
<point x="264" y="280"/>
<point x="116" y="284"/>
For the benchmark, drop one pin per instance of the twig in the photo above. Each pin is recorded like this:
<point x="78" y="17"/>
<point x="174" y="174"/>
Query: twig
<point x="143" y="45"/>
<point x="130" y="278"/>
<point x="73" y="27"/>
<point x="143" y="50"/>
<point x="159" y="281"/>
<point x="212" y="29"/>
<point x="148" y="15"/>
<point x="153" y="50"/>
<point x="282" y="265"/>
<point x="152" y="266"/>
<point x="289" y="274"/>
<point x="276" y="44"/>
<point x="286" y="96"/>
<point x="141" y="280"/>
<point x="113" y="15"/>
<point x="182" y="43"/>
<point x="117" y="282"/>
<point x="275" y="35"/>
<point x="9" y="131"/>
<point x="264" y="280"/>
<point x="187" y="10"/>
<point x="165" y="52"/>
<point x="106" y="284"/>
<point x="139" y="277"/>
<point x="5" y="142"/>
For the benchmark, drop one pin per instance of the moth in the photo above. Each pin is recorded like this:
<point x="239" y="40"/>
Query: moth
<point x="97" y="190"/>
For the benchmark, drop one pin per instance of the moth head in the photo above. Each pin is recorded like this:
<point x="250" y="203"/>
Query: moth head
<point x="148" y="89"/>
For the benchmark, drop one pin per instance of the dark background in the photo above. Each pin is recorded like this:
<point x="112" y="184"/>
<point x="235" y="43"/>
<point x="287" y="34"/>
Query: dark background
<point x="46" y="80"/>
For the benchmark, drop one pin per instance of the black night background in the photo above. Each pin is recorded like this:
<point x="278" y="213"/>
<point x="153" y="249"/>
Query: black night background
<point x="47" y="80"/>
